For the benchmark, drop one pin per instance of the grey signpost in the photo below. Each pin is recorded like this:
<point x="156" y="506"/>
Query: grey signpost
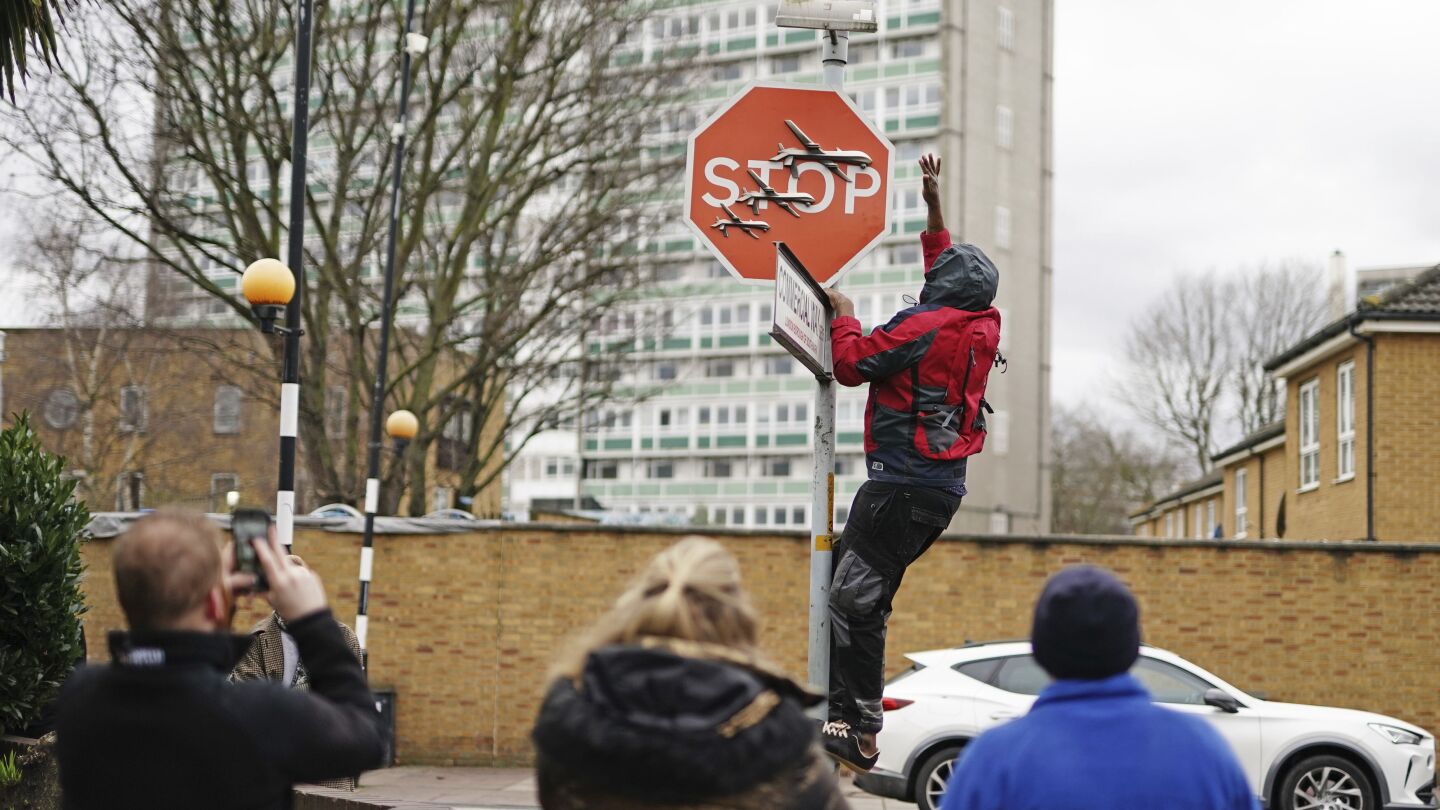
<point x="835" y="19"/>
<point x="802" y="325"/>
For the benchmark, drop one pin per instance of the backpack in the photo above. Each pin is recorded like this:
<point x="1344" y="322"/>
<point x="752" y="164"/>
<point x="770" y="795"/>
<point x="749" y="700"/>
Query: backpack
<point x="955" y="427"/>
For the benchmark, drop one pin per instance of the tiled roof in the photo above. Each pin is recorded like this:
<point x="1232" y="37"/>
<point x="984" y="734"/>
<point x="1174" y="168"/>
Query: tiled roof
<point x="1270" y="431"/>
<point x="1419" y="296"/>
<point x="1417" y="300"/>
<point x="1214" y="478"/>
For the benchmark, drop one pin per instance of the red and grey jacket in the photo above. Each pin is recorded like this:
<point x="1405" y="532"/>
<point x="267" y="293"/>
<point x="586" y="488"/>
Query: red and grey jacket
<point x="927" y="370"/>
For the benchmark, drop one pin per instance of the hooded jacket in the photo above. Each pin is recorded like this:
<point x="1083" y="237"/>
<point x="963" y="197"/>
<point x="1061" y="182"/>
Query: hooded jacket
<point x="673" y="724"/>
<point x="927" y="370"/>
<point x="162" y="727"/>
<point x="1099" y="745"/>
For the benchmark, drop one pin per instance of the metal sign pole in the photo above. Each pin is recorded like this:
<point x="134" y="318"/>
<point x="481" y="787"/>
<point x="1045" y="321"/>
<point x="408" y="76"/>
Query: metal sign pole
<point x="835" y="48"/>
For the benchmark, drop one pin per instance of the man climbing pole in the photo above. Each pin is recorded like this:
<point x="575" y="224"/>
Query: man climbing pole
<point x="927" y="368"/>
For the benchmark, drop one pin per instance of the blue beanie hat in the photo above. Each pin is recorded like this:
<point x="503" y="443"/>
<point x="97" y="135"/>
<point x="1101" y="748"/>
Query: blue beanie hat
<point x="1087" y="625"/>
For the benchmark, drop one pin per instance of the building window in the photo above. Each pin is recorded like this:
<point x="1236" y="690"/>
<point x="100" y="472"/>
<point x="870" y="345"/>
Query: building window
<point x="1002" y="227"/>
<point x="1242" y="511"/>
<point x="997" y="433"/>
<point x="999" y="522"/>
<point x="129" y="492"/>
<point x="335" y="411"/>
<point x="662" y="469"/>
<point x="221" y="485"/>
<point x="666" y="371"/>
<point x="737" y="516"/>
<point x="718" y="468"/>
<point x="442" y="498"/>
<point x="797" y="515"/>
<point x="606" y="470"/>
<point x="776" y="467"/>
<point x="720" y="368"/>
<point x="1310" y="435"/>
<point x="1210" y="518"/>
<point x="762" y="516"/>
<point x="779" y="365"/>
<point x="62" y="408"/>
<point x="1169" y="524"/>
<point x="1005" y="28"/>
<point x="1004" y="127"/>
<point x="1345" y="418"/>
<point x="227" y="409"/>
<point x="134" y="410"/>
<point x="1197" y="525"/>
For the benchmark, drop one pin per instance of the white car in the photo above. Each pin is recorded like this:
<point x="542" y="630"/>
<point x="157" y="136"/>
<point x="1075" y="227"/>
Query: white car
<point x="1296" y="757"/>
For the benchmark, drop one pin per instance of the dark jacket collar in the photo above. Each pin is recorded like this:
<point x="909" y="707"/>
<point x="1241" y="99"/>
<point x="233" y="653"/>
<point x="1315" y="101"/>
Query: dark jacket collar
<point x="1116" y="687"/>
<point x="168" y="648"/>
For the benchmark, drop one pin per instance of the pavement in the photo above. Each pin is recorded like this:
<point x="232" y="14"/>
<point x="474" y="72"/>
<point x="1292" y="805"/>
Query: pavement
<point x="435" y="788"/>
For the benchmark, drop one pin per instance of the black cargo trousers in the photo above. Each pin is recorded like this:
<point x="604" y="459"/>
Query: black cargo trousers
<point x="889" y="527"/>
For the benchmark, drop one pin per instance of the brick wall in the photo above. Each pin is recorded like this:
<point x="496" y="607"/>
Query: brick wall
<point x="1407" y="436"/>
<point x="464" y="626"/>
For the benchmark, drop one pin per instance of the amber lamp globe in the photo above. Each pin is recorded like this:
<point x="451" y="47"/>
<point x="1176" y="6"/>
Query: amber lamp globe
<point x="268" y="282"/>
<point x="402" y="425"/>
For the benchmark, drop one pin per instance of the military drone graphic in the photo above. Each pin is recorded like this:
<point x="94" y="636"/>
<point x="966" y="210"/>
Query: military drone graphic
<point x="746" y="226"/>
<point x="785" y="200"/>
<point x="789" y="157"/>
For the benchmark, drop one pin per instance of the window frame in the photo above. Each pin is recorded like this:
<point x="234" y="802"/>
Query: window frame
<point x="1308" y="403"/>
<point x="1242" y="503"/>
<point x="1345" y="413"/>
<point x="234" y="428"/>
<point x="134" y="423"/>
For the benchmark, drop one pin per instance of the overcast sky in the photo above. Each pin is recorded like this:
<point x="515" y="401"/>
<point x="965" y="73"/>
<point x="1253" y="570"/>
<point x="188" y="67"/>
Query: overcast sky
<point x="1209" y="135"/>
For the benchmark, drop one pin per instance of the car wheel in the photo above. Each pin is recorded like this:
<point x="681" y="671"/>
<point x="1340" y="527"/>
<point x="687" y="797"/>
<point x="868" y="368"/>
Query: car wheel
<point x="1326" y="782"/>
<point x="932" y="777"/>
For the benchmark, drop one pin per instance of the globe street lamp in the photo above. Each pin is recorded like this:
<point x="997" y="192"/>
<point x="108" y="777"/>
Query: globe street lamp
<point x="270" y="286"/>
<point x="401" y="426"/>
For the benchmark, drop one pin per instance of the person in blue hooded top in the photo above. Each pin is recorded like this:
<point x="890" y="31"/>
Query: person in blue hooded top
<point x="1094" y="740"/>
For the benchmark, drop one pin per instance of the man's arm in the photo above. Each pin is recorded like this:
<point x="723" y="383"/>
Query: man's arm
<point x="935" y="238"/>
<point x="864" y="358"/>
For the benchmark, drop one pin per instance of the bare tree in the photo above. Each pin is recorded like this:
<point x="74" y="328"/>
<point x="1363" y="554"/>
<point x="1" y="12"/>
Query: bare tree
<point x="1101" y="473"/>
<point x="1178" y="353"/>
<point x="1196" y="356"/>
<point x="1271" y="307"/>
<point x="523" y="195"/>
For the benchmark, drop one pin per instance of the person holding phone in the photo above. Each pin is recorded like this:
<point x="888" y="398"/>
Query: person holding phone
<point x="162" y="726"/>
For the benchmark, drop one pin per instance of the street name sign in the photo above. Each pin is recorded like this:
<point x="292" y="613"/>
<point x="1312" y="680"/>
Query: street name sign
<point x="802" y="314"/>
<point x="799" y="165"/>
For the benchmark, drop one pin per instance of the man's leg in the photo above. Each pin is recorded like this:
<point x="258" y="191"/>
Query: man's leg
<point x="906" y="520"/>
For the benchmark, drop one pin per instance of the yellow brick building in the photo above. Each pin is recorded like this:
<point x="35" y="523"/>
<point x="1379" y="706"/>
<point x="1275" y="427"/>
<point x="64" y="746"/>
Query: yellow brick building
<point x="151" y="417"/>
<point x="1357" y="456"/>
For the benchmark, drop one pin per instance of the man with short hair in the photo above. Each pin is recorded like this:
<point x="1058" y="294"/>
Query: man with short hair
<point x="1094" y="740"/>
<point x="162" y="727"/>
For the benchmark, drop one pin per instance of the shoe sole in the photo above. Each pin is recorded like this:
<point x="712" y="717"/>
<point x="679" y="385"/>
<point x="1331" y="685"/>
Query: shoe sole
<point x="848" y="764"/>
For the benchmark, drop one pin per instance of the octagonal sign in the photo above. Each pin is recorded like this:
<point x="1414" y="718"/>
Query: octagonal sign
<point x="799" y="165"/>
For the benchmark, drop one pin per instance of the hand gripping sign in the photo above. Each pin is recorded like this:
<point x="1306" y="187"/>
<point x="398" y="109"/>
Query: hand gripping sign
<point x="799" y="165"/>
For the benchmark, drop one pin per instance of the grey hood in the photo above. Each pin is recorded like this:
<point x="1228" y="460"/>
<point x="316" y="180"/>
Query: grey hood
<point x="962" y="277"/>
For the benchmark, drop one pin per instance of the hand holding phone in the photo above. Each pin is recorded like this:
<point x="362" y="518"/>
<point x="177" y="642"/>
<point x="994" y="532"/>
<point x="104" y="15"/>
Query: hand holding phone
<point x="249" y="526"/>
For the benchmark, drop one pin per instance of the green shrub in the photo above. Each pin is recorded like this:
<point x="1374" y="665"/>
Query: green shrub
<point x="9" y="771"/>
<point x="41" y="525"/>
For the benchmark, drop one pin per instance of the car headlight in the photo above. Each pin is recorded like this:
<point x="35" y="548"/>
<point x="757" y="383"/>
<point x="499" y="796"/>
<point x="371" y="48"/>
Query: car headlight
<point x="1399" y="736"/>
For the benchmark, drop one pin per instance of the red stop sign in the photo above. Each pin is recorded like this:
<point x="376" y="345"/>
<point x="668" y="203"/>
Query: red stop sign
<point x="798" y="165"/>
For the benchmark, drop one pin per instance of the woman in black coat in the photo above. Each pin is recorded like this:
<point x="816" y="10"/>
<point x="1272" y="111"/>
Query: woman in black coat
<point x="667" y="703"/>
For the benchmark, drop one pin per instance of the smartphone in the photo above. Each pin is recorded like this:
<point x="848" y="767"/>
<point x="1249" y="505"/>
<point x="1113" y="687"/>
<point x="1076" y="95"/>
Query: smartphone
<point x="248" y="526"/>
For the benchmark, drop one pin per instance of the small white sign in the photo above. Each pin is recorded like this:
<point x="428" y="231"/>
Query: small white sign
<point x="802" y="314"/>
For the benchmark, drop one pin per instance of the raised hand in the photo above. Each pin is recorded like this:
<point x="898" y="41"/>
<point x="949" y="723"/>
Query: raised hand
<point x="930" y="179"/>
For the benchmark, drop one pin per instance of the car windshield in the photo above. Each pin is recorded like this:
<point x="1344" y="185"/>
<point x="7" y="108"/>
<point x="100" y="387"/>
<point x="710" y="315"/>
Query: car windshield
<point x="1022" y="675"/>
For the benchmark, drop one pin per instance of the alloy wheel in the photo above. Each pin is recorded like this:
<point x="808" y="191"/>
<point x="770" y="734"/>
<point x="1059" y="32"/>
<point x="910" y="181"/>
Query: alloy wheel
<point x="1328" y="788"/>
<point x="935" y="785"/>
